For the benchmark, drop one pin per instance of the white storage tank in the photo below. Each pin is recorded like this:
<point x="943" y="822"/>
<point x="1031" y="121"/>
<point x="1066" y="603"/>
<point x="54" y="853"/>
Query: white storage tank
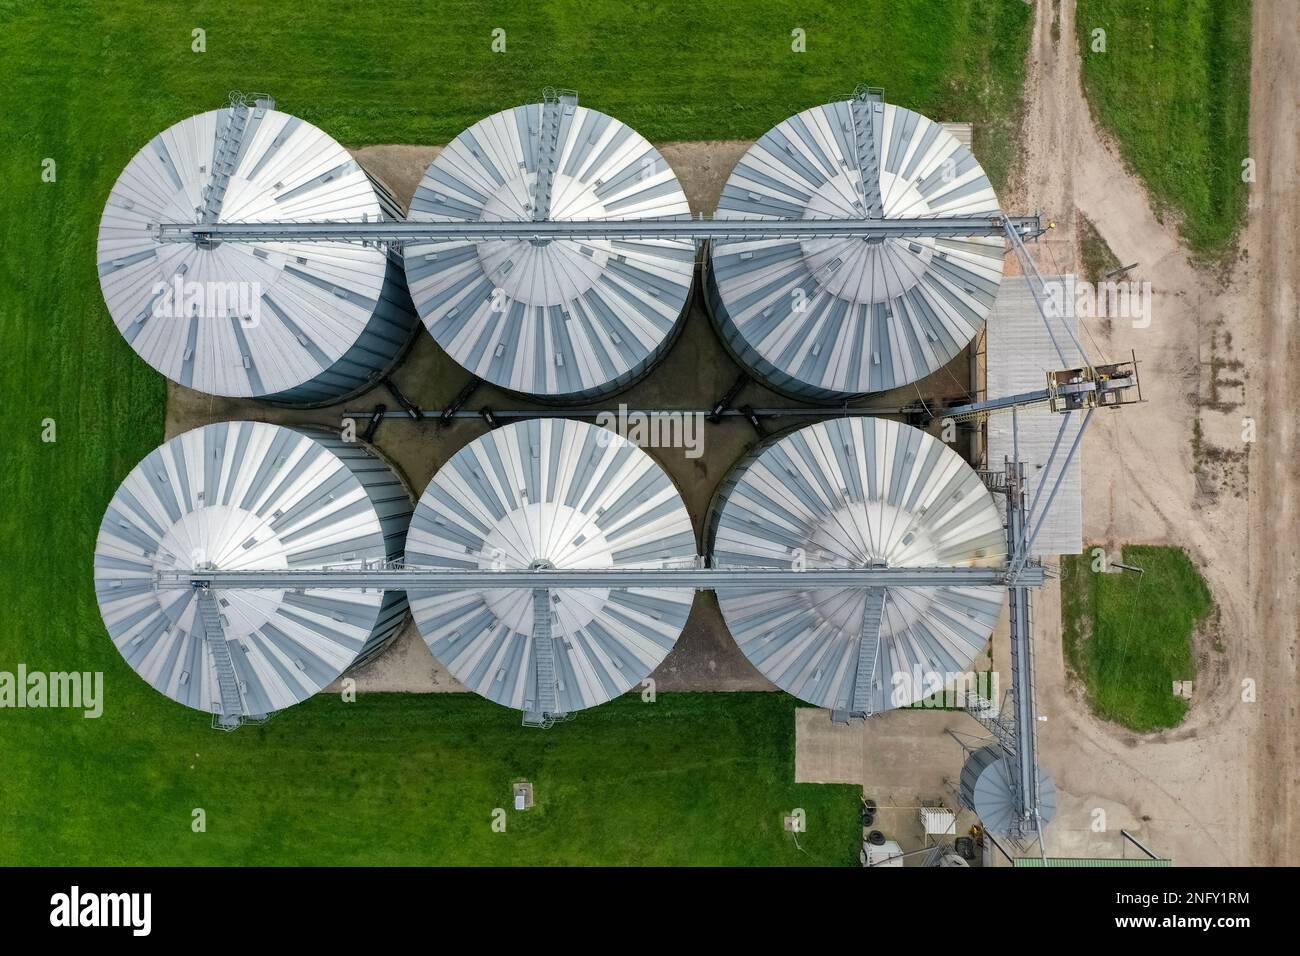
<point x="305" y="323"/>
<point x="250" y="496"/>
<point x="854" y="493"/>
<point x="551" y="493"/>
<point x="559" y="320"/>
<point x="986" y="789"/>
<point x="827" y="319"/>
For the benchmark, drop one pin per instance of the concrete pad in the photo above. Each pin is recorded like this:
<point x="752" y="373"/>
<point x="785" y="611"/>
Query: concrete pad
<point x="407" y="666"/>
<point x="703" y="168"/>
<point x="908" y="755"/>
<point x="825" y="752"/>
<point x="902" y="759"/>
<point x="900" y="756"/>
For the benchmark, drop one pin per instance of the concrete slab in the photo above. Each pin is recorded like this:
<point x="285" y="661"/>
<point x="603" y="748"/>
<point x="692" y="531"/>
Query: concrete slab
<point x="908" y="755"/>
<point x="825" y="752"/>
<point x="703" y="167"/>
<point x="900" y="756"/>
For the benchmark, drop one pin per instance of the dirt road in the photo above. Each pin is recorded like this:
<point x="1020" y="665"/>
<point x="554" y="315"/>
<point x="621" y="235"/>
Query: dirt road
<point x="1273" y="239"/>
<point x="1218" y="789"/>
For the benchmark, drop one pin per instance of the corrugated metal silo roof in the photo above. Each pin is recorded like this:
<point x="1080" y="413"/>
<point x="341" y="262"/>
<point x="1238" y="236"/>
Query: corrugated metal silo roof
<point x="564" y="494"/>
<point x="827" y="317"/>
<point x="986" y="789"/>
<point x="243" y="496"/>
<point x="563" y="318"/>
<point x="852" y="493"/>
<point x="243" y="319"/>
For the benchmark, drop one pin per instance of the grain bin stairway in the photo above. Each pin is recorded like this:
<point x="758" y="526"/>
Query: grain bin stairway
<point x="546" y="708"/>
<point x="232" y="706"/>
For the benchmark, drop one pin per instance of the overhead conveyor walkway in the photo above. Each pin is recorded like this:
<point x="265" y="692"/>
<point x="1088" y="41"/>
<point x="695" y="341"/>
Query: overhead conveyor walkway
<point x="397" y="578"/>
<point x="699" y="230"/>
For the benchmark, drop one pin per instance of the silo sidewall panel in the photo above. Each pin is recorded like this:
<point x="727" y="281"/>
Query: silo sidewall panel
<point x="390" y="332"/>
<point x="391" y="500"/>
<point x="750" y="359"/>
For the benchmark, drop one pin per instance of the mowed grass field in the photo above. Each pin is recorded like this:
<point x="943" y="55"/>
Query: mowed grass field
<point x="403" y="779"/>
<point x="389" y="778"/>
<point x="1128" y="637"/>
<point x="1173" y="85"/>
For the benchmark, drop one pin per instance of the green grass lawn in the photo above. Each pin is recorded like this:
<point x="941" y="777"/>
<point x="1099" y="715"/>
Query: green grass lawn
<point x="87" y="84"/>
<point x="397" y="779"/>
<point x="1174" y="88"/>
<point x="1128" y="637"/>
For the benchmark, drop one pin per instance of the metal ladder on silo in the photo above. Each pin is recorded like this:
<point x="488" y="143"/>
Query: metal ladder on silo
<point x="866" y="100"/>
<point x="554" y="105"/>
<point x="546" y="708"/>
<point x="232" y="706"/>
<point x="868" y="651"/>
<point x="225" y="154"/>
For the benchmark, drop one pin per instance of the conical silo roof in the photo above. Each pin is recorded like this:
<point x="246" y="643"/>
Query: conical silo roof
<point x="831" y="318"/>
<point x="854" y="493"/>
<point x="561" y="319"/>
<point x="301" y="323"/>
<point x="986" y="789"/>
<point x="249" y="496"/>
<point x="562" y="494"/>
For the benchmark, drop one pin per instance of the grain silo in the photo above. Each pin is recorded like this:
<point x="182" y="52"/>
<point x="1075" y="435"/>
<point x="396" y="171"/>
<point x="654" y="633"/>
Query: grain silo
<point x="986" y="789"/>
<point x="855" y="493"/>
<point x="249" y="496"/>
<point x="305" y="323"/>
<point x="551" y="493"/>
<point x="565" y="319"/>
<point x="832" y="318"/>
